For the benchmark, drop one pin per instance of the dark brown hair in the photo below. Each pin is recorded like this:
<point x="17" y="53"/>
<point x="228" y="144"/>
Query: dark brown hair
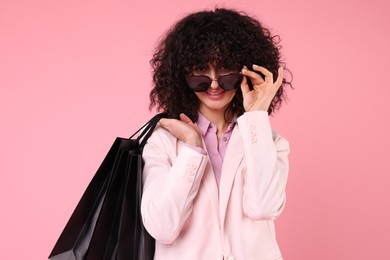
<point x="224" y="37"/>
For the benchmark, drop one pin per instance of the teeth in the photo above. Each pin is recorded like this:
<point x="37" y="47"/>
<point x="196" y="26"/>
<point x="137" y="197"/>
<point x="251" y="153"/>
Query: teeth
<point x="214" y="93"/>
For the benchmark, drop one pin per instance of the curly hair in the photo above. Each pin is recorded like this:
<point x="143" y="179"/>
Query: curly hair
<point x="227" y="38"/>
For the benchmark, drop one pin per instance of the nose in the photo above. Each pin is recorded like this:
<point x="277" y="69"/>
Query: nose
<point x="214" y="83"/>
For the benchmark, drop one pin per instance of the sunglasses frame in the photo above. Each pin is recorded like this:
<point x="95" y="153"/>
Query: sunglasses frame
<point x="207" y="80"/>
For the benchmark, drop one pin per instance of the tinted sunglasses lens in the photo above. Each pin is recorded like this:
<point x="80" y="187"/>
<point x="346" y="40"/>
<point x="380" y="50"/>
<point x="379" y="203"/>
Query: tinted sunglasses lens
<point x="230" y="81"/>
<point x="198" y="83"/>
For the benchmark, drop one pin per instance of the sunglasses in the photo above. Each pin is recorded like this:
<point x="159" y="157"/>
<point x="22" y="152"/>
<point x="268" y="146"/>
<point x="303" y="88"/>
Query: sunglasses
<point x="201" y="83"/>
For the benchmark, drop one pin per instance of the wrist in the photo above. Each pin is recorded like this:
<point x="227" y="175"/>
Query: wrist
<point x="258" y="107"/>
<point x="194" y="140"/>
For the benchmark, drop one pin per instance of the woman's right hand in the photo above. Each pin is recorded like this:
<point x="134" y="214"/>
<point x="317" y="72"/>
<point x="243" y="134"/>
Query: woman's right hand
<point x="184" y="130"/>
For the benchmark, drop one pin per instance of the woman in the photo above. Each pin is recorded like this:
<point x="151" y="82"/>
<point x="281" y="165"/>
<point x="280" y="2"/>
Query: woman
<point x="215" y="173"/>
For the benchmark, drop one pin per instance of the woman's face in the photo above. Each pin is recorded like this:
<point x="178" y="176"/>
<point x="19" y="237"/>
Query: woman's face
<point x="215" y="99"/>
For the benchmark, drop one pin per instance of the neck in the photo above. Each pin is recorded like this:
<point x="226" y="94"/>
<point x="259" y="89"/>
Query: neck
<point x="217" y="117"/>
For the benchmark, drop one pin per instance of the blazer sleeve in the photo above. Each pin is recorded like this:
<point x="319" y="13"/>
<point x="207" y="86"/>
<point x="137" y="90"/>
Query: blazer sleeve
<point x="171" y="181"/>
<point x="266" y="159"/>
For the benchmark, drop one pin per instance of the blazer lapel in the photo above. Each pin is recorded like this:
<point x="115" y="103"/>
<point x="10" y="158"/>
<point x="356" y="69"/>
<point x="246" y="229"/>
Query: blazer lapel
<point x="233" y="157"/>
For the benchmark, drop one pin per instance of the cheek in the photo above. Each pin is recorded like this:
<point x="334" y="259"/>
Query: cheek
<point x="231" y="94"/>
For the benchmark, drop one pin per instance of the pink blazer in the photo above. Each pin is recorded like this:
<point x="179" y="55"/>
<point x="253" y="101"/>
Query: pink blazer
<point x="190" y="218"/>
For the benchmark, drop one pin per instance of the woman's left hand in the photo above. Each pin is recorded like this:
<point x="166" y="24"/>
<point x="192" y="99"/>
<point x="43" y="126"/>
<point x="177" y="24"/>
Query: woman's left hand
<point x="264" y="90"/>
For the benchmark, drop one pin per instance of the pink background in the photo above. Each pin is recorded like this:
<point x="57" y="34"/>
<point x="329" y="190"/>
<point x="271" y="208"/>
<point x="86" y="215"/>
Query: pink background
<point x="75" y="74"/>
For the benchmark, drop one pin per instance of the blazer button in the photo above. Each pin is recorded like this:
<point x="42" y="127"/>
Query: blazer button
<point x="253" y="139"/>
<point x="193" y="166"/>
<point x="189" y="179"/>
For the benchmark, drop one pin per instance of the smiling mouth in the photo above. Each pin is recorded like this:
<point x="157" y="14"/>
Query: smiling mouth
<point x="215" y="93"/>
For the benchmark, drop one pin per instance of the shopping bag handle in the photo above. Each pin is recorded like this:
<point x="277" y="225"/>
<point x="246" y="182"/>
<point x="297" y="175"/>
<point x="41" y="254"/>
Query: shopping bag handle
<point x="147" y="129"/>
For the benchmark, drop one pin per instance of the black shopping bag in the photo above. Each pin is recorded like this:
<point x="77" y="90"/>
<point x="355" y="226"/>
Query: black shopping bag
<point x="106" y="223"/>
